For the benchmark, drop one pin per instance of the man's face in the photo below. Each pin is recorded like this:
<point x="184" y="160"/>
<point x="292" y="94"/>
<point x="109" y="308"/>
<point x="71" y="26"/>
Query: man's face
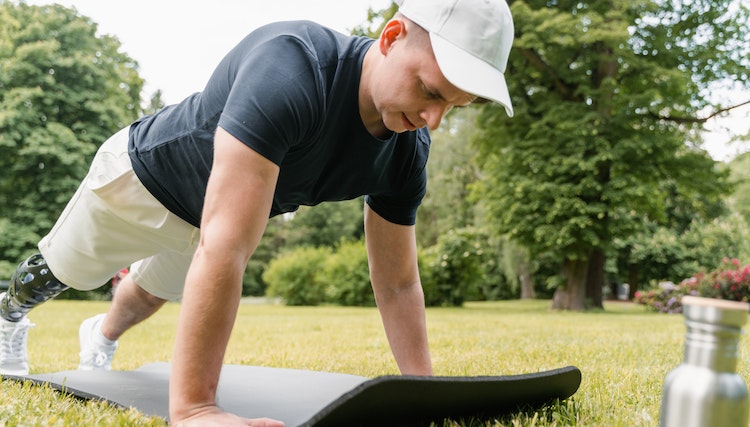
<point x="410" y="92"/>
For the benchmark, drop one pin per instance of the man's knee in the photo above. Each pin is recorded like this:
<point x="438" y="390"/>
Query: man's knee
<point x="149" y="297"/>
<point x="32" y="284"/>
<point x="130" y="287"/>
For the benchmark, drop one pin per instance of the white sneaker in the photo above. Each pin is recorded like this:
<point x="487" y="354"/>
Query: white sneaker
<point x="14" y="359"/>
<point x="94" y="353"/>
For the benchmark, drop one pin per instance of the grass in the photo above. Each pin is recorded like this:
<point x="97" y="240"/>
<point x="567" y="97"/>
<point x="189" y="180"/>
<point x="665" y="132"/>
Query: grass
<point x="624" y="353"/>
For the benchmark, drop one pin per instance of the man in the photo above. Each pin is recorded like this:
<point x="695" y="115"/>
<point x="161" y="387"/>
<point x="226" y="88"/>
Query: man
<point x="295" y="114"/>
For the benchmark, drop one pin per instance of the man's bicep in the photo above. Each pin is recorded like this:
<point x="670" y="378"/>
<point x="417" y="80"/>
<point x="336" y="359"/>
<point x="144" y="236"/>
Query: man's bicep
<point x="391" y="250"/>
<point x="239" y="195"/>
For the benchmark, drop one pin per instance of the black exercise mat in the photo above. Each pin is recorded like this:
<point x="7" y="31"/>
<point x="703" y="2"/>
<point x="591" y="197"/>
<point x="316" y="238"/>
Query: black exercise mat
<point x="321" y="399"/>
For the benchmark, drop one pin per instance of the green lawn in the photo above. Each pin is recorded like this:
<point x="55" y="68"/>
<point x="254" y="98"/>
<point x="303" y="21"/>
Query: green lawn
<point x="624" y="353"/>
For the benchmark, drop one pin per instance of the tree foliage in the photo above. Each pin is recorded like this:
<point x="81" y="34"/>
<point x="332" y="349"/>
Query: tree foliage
<point x="326" y="224"/>
<point x="376" y="20"/>
<point x="607" y="97"/>
<point x="662" y="255"/>
<point x="63" y="91"/>
<point x="451" y="170"/>
<point x="461" y="266"/>
<point x="740" y="175"/>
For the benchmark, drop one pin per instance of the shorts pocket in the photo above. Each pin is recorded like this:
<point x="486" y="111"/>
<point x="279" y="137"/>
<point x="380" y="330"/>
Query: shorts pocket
<point x="127" y="198"/>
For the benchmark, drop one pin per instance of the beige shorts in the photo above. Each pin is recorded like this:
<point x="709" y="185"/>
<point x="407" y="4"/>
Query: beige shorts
<point x="111" y="222"/>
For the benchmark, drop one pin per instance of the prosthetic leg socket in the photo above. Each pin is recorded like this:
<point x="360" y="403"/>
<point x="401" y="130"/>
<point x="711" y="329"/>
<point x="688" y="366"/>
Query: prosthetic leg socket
<point x="32" y="284"/>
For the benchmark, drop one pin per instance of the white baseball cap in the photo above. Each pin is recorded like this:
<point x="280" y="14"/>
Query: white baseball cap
<point x="471" y="40"/>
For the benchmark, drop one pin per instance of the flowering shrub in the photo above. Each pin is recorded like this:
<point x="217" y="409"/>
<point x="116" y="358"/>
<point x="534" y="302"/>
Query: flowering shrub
<point x="666" y="298"/>
<point x="730" y="281"/>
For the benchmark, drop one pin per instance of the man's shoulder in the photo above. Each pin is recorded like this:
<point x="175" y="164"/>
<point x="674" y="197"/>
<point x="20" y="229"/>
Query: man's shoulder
<point x="308" y="32"/>
<point x="316" y="38"/>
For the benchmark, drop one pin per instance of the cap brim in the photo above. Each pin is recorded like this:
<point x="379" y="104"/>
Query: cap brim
<point x="471" y="74"/>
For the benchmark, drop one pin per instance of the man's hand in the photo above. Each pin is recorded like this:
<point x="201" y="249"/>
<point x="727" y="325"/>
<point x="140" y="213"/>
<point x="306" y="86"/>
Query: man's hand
<point x="214" y="417"/>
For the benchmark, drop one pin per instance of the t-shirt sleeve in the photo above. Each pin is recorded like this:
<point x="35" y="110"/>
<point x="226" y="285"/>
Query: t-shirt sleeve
<point x="401" y="207"/>
<point x="394" y="209"/>
<point x="274" y="99"/>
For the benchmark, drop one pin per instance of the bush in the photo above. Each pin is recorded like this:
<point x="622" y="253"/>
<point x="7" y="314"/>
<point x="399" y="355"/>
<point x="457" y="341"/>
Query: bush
<point x="462" y="266"/>
<point x="346" y="276"/>
<point x="730" y="281"/>
<point x="429" y="282"/>
<point x="666" y="298"/>
<point x="252" y="279"/>
<point x="456" y="268"/>
<point x="293" y="276"/>
<point x="661" y="255"/>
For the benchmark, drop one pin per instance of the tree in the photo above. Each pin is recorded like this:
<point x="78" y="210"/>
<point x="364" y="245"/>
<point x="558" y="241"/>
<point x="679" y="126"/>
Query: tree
<point x="155" y="103"/>
<point x="451" y="171"/>
<point x="63" y="91"/>
<point x="740" y="173"/>
<point x="607" y="96"/>
<point x="684" y="206"/>
<point x="326" y="224"/>
<point x="663" y="255"/>
<point x="518" y="269"/>
<point x="376" y="20"/>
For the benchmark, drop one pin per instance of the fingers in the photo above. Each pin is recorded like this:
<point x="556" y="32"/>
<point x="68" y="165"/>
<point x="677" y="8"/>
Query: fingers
<point x="265" y="422"/>
<point x="223" y="419"/>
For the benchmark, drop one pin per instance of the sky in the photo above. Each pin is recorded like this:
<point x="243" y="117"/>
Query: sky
<point x="178" y="43"/>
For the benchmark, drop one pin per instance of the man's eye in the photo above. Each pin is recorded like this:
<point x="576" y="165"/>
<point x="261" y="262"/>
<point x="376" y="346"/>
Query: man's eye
<point x="429" y="94"/>
<point x="432" y="95"/>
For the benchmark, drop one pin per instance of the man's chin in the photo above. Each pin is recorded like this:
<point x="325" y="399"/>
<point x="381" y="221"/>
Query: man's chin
<point x="389" y="128"/>
<point x="396" y="127"/>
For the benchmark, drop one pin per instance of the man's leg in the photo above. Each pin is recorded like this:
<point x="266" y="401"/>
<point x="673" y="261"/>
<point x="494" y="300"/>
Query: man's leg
<point x="151" y="282"/>
<point x="130" y="306"/>
<point x="98" y="335"/>
<point x="111" y="221"/>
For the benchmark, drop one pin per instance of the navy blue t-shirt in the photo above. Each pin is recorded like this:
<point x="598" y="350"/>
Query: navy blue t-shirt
<point x="290" y="92"/>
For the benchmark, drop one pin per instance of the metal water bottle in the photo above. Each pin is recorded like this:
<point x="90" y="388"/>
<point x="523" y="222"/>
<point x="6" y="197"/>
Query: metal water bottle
<point x="705" y="390"/>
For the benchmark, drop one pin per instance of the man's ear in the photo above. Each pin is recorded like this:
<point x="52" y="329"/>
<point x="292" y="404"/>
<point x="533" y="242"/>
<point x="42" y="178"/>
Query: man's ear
<point x="393" y="30"/>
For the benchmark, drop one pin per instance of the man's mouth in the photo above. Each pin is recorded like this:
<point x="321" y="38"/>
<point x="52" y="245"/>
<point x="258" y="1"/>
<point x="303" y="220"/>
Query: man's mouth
<point x="407" y="123"/>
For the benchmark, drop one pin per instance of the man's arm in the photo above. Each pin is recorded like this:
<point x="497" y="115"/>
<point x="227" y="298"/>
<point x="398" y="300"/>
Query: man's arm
<point x="238" y="201"/>
<point x="392" y="255"/>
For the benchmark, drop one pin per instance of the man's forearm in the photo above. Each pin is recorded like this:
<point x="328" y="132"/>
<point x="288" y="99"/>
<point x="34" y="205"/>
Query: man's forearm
<point x="205" y="324"/>
<point x="403" y="314"/>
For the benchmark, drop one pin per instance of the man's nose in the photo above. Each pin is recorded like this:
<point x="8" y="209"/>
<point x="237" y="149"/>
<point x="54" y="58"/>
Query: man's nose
<point x="434" y="113"/>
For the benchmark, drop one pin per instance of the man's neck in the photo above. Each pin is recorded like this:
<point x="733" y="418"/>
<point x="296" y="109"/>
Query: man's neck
<point x="371" y="118"/>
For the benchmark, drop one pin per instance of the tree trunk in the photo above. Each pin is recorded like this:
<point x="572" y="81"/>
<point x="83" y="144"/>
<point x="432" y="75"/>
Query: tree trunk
<point x="572" y="296"/>
<point x="527" y="282"/>
<point x="633" y="277"/>
<point x="595" y="279"/>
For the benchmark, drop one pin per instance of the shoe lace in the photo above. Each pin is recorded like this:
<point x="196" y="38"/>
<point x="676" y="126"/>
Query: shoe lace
<point x="100" y="358"/>
<point x="13" y="341"/>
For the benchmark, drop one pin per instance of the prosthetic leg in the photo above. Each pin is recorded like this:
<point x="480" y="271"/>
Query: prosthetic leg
<point x="31" y="285"/>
